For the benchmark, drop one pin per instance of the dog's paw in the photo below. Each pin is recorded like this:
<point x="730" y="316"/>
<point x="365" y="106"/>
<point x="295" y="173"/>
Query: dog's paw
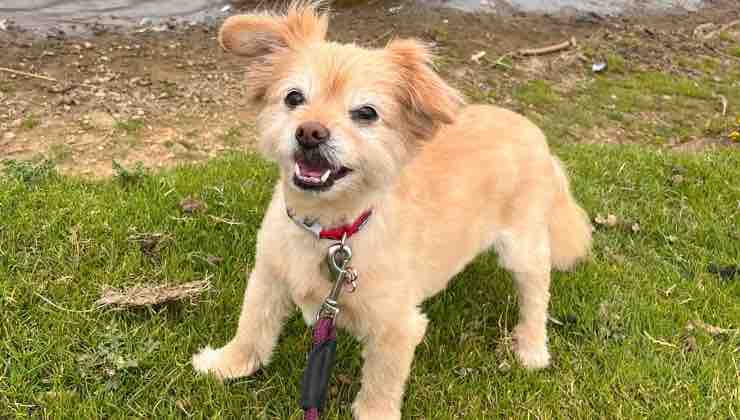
<point x="362" y="409"/>
<point x="531" y="352"/>
<point x="224" y="363"/>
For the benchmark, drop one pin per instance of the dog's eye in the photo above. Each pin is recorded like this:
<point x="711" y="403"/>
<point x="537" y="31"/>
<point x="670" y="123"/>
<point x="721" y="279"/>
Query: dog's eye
<point x="294" y="98"/>
<point x="364" y="114"/>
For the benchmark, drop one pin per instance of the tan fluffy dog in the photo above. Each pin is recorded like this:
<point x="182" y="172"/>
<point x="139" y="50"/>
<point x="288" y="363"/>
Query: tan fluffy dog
<point x="353" y="129"/>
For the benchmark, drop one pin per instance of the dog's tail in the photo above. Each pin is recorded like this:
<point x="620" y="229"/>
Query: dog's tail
<point x="569" y="228"/>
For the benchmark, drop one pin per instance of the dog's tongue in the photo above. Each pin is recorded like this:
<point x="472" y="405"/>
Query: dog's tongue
<point x="312" y="169"/>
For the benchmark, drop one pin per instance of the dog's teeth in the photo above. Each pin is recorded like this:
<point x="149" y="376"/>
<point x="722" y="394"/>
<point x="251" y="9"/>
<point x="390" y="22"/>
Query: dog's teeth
<point x="325" y="177"/>
<point x="297" y="169"/>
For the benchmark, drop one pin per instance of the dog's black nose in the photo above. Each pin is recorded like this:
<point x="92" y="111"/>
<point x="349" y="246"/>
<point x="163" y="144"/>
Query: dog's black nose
<point x="311" y="134"/>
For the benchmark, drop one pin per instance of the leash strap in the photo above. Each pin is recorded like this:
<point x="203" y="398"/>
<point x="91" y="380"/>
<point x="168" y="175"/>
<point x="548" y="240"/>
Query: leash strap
<point x="315" y="381"/>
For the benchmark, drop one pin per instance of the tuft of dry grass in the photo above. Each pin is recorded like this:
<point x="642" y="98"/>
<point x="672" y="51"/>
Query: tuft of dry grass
<point x="144" y="295"/>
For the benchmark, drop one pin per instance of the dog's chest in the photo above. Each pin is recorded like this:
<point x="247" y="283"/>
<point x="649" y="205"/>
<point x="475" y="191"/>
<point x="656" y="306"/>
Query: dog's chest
<point x="308" y="280"/>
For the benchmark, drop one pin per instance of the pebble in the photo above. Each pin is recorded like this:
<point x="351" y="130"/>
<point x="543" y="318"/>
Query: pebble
<point x="9" y="135"/>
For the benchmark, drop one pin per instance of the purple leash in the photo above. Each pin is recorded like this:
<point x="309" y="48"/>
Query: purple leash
<point x="315" y="380"/>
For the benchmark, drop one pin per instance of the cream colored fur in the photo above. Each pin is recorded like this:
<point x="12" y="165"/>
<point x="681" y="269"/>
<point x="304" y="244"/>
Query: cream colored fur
<point x="446" y="182"/>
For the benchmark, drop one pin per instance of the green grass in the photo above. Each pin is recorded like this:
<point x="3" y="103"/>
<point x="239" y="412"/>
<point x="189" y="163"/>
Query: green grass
<point x="232" y="136"/>
<point x="64" y="238"/>
<point x="30" y="122"/>
<point x="642" y="107"/>
<point x="130" y="127"/>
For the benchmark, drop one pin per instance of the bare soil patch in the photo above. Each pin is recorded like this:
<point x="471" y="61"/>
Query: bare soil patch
<point x="161" y="98"/>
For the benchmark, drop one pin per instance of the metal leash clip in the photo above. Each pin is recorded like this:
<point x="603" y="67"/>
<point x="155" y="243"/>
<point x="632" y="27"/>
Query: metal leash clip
<point x="339" y="256"/>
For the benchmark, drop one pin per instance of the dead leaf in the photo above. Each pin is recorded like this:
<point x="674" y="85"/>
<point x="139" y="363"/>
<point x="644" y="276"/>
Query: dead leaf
<point x="122" y="363"/>
<point x="608" y="221"/>
<point x="690" y="344"/>
<point x="190" y="205"/>
<point x="709" y="329"/>
<point x="150" y="243"/>
<point x="344" y="379"/>
<point x="213" y="260"/>
<point x="149" y="295"/>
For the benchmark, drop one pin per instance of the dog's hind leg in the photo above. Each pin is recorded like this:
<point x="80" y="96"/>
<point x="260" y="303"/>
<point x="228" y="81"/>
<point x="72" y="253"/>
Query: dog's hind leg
<point x="266" y="303"/>
<point x="526" y="253"/>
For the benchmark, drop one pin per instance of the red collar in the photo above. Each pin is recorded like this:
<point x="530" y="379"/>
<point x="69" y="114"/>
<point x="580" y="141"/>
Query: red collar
<point x="336" y="233"/>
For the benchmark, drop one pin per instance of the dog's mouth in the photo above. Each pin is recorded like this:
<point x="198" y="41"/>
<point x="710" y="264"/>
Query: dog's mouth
<point x="315" y="172"/>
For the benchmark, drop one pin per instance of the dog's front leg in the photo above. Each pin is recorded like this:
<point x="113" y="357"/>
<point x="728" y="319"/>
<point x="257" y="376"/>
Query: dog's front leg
<point x="388" y="353"/>
<point x="266" y="303"/>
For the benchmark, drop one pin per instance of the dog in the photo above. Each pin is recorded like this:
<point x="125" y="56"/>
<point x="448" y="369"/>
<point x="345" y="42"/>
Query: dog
<point x="377" y="132"/>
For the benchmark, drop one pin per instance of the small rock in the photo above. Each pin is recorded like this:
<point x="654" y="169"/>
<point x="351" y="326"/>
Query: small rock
<point x="9" y="135"/>
<point x="226" y="8"/>
<point x="598" y="67"/>
<point x="87" y="45"/>
<point x="477" y="56"/>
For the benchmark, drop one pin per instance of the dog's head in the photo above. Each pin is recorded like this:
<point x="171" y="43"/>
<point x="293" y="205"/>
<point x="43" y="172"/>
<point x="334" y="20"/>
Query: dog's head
<point x="337" y="118"/>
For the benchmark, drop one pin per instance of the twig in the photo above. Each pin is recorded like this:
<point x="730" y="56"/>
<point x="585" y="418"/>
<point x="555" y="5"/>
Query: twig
<point x="23" y="73"/>
<point x="60" y="307"/>
<point x="549" y="49"/>
<point x="661" y="342"/>
<point x="48" y="79"/>
<point x="555" y="321"/>
<point x="227" y="221"/>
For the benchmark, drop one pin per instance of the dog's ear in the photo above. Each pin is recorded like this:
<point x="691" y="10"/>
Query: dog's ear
<point x="264" y="38"/>
<point x="426" y="98"/>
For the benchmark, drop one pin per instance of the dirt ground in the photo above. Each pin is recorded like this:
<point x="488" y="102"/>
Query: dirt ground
<point x="173" y="96"/>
